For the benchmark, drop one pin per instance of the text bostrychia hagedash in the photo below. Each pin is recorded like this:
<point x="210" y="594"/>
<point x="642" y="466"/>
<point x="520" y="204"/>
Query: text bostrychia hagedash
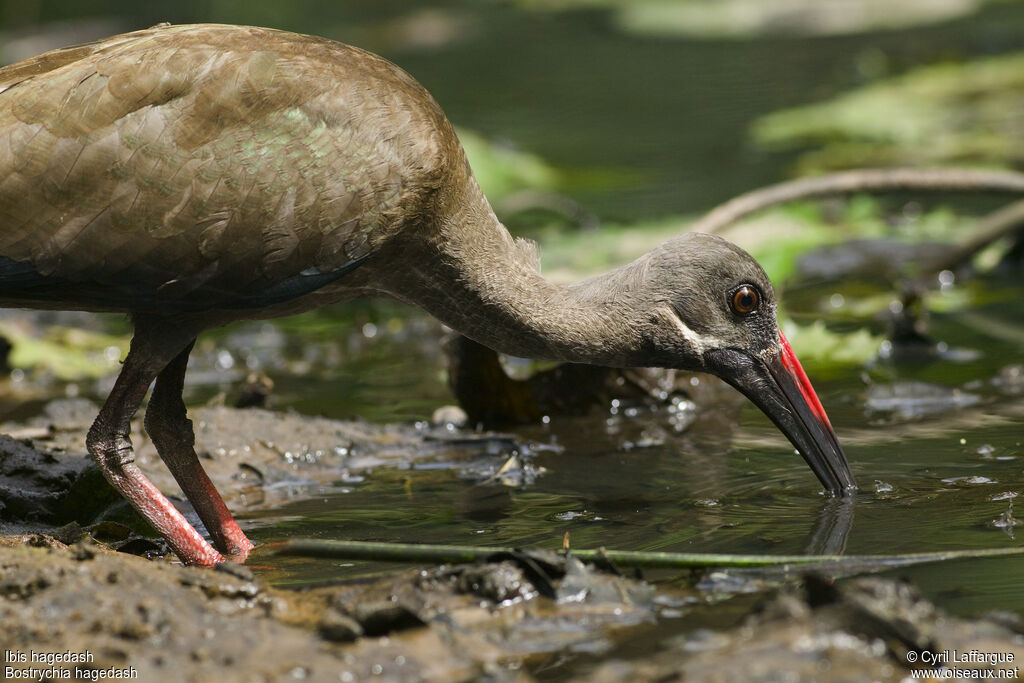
<point x="195" y="175"/>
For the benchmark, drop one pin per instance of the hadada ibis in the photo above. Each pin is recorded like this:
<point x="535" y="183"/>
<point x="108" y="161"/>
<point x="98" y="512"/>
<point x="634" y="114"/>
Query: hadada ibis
<point x="190" y="176"/>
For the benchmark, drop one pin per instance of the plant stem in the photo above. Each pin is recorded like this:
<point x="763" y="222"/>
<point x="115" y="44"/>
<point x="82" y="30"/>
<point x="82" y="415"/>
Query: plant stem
<point x="455" y="554"/>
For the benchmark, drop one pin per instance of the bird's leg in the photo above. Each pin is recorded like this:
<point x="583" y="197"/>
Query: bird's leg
<point x="172" y="434"/>
<point x="110" y="445"/>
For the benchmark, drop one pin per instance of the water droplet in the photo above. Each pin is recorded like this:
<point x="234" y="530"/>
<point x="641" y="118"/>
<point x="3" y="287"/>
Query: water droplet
<point x="969" y="480"/>
<point x="225" y="361"/>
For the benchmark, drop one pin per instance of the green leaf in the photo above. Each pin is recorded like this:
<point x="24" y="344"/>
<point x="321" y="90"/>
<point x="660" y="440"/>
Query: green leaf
<point x="816" y="345"/>
<point x="67" y="352"/>
<point x="944" y="113"/>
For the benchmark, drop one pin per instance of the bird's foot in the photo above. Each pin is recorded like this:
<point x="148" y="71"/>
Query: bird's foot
<point x="238" y="549"/>
<point x="227" y="536"/>
<point x="191" y="548"/>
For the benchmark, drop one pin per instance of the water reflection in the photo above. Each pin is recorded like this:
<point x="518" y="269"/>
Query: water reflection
<point x="835" y="521"/>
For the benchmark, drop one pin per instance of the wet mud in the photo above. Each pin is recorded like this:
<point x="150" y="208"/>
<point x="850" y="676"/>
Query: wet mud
<point x="257" y="458"/>
<point x="163" y="620"/>
<point x="867" y="629"/>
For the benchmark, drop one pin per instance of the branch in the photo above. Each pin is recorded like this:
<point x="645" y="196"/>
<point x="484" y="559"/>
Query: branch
<point x="863" y="180"/>
<point x="461" y="554"/>
<point x="994" y="226"/>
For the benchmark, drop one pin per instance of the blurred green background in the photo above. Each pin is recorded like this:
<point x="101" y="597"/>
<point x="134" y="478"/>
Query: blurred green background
<point x="600" y="128"/>
<point x="639" y="109"/>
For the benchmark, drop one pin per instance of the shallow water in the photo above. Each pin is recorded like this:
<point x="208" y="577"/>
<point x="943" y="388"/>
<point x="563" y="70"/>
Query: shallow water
<point x="943" y="480"/>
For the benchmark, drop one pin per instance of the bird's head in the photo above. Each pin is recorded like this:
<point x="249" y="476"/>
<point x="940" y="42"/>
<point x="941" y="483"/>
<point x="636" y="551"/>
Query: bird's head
<point x="714" y="310"/>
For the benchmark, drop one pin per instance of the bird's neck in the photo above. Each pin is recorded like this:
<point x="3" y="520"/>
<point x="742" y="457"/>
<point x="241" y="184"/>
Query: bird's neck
<point x="467" y="271"/>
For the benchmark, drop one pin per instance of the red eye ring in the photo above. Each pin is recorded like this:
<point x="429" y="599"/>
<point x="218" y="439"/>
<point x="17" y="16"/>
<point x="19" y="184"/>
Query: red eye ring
<point x="745" y="300"/>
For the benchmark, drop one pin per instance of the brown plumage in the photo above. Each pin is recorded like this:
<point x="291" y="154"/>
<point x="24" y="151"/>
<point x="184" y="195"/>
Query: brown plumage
<point x="231" y="157"/>
<point x="194" y="175"/>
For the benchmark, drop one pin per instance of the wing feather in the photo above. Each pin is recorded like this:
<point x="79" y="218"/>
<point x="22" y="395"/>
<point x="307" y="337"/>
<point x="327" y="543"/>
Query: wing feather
<point x="230" y="158"/>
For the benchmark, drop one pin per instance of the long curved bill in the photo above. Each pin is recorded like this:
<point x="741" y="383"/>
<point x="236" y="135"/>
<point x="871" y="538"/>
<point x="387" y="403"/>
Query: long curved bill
<point x="778" y="385"/>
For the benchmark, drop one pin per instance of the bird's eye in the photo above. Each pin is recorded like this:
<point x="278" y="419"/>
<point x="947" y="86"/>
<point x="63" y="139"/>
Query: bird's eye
<point x="745" y="300"/>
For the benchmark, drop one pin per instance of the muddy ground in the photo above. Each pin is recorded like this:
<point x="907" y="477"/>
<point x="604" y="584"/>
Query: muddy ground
<point x="62" y="591"/>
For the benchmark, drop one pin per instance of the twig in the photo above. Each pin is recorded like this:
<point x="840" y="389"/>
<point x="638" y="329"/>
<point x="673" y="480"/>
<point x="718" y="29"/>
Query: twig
<point x="863" y="180"/>
<point x="987" y="230"/>
<point x="460" y="554"/>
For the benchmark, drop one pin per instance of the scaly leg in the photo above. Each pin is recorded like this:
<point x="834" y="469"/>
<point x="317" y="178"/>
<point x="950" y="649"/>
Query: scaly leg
<point x="109" y="443"/>
<point x="172" y="434"/>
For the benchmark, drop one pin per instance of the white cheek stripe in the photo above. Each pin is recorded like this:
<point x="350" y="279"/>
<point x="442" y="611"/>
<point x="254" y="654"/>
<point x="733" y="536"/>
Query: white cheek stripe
<point x="696" y="342"/>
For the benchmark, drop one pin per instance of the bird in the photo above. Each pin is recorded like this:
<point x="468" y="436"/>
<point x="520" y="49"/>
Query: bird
<point x="194" y="175"/>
